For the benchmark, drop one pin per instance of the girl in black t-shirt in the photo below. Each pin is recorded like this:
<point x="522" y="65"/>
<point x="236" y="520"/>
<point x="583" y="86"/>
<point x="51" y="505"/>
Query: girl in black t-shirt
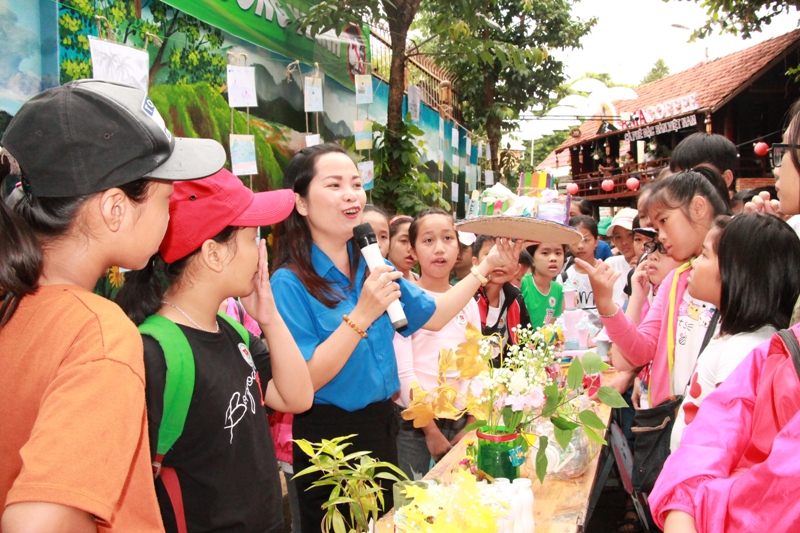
<point x="223" y="461"/>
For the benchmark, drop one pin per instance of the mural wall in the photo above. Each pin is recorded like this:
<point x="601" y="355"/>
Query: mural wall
<point x="49" y="43"/>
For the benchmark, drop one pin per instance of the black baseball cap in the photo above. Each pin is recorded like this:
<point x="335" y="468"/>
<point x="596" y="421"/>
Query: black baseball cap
<point x="90" y="135"/>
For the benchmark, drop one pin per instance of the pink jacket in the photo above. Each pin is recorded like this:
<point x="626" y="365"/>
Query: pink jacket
<point x="648" y="342"/>
<point x="737" y="467"/>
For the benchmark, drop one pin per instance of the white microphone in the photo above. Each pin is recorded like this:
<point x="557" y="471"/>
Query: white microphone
<point x="368" y="242"/>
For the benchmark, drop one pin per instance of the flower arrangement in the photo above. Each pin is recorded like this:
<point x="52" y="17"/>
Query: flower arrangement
<point x="524" y="390"/>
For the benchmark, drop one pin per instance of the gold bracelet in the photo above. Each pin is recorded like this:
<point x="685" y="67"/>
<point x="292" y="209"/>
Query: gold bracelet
<point x="612" y="315"/>
<point x="481" y="278"/>
<point x="353" y="325"/>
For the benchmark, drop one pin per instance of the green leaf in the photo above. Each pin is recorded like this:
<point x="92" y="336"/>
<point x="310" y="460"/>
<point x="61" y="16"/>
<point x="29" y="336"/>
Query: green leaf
<point x="305" y="446"/>
<point x="593" y="435"/>
<point x="591" y="363"/>
<point x="563" y="436"/>
<point x="589" y="418"/>
<point x="551" y="404"/>
<point x="575" y="375"/>
<point x="541" y="459"/>
<point x="475" y="425"/>
<point x="610" y="397"/>
<point x="563" y="423"/>
<point x="338" y="523"/>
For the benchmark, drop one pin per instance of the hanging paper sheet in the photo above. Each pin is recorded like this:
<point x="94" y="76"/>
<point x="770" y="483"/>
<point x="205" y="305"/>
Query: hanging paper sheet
<point x="363" y="134"/>
<point x="440" y="161"/>
<point x="243" y="155"/>
<point x="490" y="177"/>
<point x="413" y="102"/>
<point x="454" y="142"/>
<point x="313" y="140"/>
<point x="119" y="63"/>
<point x="441" y="128"/>
<point x="363" y="89"/>
<point x="454" y="191"/>
<point x="313" y="94"/>
<point x="242" y="86"/>
<point x="367" y="171"/>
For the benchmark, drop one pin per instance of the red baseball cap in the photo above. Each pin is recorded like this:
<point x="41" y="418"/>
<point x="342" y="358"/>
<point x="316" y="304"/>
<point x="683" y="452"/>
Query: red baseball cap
<point x="201" y="209"/>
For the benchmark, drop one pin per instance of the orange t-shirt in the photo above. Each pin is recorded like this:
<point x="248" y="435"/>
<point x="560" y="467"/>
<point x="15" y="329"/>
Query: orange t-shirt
<point x="73" y="426"/>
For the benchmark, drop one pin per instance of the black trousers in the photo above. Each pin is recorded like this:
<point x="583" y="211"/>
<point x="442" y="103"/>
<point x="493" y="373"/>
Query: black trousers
<point x="376" y="429"/>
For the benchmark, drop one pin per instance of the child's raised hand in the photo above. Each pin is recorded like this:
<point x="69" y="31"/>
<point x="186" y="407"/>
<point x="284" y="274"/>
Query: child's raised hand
<point x="259" y="304"/>
<point x="505" y="252"/>
<point x="640" y="282"/>
<point x="602" y="277"/>
<point x="763" y="204"/>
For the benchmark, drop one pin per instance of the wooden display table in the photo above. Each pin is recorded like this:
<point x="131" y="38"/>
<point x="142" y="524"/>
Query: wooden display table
<point x="559" y="506"/>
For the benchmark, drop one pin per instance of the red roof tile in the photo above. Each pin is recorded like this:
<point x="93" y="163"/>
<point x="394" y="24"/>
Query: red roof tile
<point x="715" y="82"/>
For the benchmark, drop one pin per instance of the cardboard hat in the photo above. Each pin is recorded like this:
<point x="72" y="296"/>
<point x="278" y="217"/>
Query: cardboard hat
<point x="521" y="227"/>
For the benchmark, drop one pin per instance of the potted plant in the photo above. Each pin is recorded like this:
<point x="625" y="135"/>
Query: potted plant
<point x="356" y="494"/>
<point x="510" y="399"/>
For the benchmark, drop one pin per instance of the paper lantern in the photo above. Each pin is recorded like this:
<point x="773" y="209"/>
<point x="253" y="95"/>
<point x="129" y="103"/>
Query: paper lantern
<point x="761" y="149"/>
<point x="632" y="184"/>
<point x="607" y="185"/>
<point x="572" y="188"/>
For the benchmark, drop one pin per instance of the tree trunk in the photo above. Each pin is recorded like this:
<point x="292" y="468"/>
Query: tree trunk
<point x="399" y="15"/>
<point x="493" y="124"/>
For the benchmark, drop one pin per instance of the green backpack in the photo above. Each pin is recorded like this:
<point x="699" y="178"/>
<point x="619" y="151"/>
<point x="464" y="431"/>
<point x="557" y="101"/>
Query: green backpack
<point x="178" y="390"/>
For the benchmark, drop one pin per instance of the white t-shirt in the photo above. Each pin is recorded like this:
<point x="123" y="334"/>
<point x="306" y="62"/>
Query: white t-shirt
<point x="584" y="296"/>
<point x="619" y="264"/>
<point x="694" y="316"/>
<point x="718" y="360"/>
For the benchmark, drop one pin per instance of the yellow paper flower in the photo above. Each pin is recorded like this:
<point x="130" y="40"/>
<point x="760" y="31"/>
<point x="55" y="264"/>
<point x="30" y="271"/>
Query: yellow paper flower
<point x="115" y="277"/>
<point x="419" y="410"/>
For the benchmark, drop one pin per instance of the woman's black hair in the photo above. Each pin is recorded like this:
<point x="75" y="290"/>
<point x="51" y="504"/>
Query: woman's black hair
<point x="678" y="190"/>
<point x="396" y="222"/>
<point x="292" y="237"/>
<point x="31" y="225"/>
<point x="758" y="256"/>
<point x="587" y="222"/>
<point x="413" y="229"/>
<point x="143" y="291"/>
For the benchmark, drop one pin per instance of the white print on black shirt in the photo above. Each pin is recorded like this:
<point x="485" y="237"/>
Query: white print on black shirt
<point x="240" y="402"/>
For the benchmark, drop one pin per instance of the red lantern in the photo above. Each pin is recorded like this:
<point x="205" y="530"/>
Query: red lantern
<point x="761" y="149"/>
<point x="632" y="184"/>
<point x="572" y="188"/>
<point x="607" y="185"/>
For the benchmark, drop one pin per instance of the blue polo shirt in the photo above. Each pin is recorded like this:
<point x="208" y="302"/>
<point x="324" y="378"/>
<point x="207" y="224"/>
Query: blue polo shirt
<point x="370" y="374"/>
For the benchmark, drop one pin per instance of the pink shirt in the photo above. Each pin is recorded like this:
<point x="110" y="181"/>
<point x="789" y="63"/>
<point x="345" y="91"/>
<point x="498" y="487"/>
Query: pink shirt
<point x="648" y="342"/>
<point x="737" y="467"/>
<point x="418" y="355"/>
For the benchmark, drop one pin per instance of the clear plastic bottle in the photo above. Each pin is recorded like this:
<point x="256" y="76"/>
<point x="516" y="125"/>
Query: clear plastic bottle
<point x="525" y="493"/>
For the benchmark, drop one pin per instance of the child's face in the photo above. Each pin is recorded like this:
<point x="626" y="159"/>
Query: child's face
<point x="658" y="266"/>
<point x="381" y="228"/>
<point x="400" y="249"/>
<point x="585" y="249"/>
<point x="241" y="261"/>
<point x="623" y="239"/>
<point x="151" y="225"/>
<point x="437" y="246"/>
<point x="787" y="181"/>
<point x="464" y="259"/>
<point x="638" y="245"/>
<point x="704" y="281"/>
<point x="548" y="259"/>
<point x="499" y="275"/>
<point x="682" y="237"/>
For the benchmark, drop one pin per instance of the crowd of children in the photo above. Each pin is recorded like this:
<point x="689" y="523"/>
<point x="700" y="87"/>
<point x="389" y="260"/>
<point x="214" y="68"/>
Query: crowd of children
<point x="230" y="364"/>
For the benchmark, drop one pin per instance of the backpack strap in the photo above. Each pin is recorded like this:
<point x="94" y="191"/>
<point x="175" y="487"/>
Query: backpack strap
<point x="179" y="383"/>
<point x="791" y="343"/>
<point x="238" y="326"/>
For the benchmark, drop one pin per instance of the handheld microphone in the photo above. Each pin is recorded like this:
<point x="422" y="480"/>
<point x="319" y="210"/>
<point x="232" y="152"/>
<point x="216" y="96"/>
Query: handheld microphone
<point x="368" y="242"/>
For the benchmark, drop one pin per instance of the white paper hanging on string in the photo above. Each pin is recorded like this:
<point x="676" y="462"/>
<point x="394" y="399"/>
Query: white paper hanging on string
<point x="454" y="191"/>
<point x="312" y="90"/>
<point x="480" y="149"/>
<point x="471" y="176"/>
<point x="440" y="161"/>
<point x="441" y="128"/>
<point x="243" y="155"/>
<point x="363" y="88"/>
<point x="119" y="63"/>
<point x="455" y="164"/>
<point x="488" y="152"/>
<point x="313" y="140"/>
<point x="362" y="130"/>
<point x="242" y="86"/>
<point x="454" y="140"/>
<point x="367" y="171"/>
<point x="413" y="102"/>
<point x="469" y="150"/>
<point x="490" y="177"/>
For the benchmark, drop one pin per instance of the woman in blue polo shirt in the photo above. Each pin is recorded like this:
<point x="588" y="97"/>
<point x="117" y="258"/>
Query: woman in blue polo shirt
<point x="336" y="313"/>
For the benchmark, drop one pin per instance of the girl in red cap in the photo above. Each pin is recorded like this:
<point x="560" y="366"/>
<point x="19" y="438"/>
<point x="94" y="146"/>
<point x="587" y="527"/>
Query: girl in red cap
<point x="220" y="473"/>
